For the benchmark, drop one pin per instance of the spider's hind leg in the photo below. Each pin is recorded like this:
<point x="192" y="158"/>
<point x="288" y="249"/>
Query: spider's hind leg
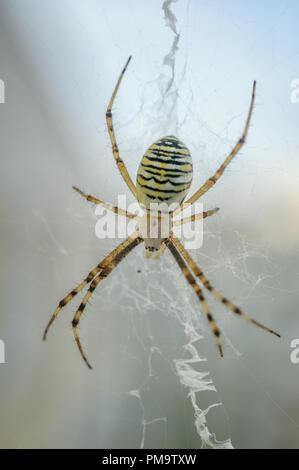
<point x="213" y="179"/>
<point x="119" y="161"/>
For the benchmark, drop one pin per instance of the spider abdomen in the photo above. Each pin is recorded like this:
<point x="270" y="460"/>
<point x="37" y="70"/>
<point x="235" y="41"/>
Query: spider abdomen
<point x="165" y="173"/>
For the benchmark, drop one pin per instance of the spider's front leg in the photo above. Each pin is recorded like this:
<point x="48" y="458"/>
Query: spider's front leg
<point x="200" y="275"/>
<point x="122" y="247"/>
<point x="115" y="258"/>
<point x="72" y="294"/>
<point x="191" y="280"/>
<point x="185" y="220"/>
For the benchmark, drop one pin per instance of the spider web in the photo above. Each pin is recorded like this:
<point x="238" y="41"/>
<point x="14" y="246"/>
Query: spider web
<point x="189" y="363"/>
<point x="178" y="359"/>
<point x="157" y="380"/>
<point x="166" y="108"/>
<point x="175" y="359"/>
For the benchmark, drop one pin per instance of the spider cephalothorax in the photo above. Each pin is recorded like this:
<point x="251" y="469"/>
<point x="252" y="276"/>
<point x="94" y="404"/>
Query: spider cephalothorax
<point x="163" y="180"/>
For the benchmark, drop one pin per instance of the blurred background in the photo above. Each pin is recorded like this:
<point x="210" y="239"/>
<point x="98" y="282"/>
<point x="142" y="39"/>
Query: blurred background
<point x="157" y="373"/>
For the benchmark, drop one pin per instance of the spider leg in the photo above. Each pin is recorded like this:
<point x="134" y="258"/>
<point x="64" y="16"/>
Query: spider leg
<point x="198" y="273"/>
<point x="72" y="294"/>
<point x="175" y="223"/>
<point x="211" y="181"/>
<point x="192" y="218"/>
<point x="115" y="209"/>
<point x="189" y="277"/>
<point x="161" y="250"/>
<point x="121" y="166"/>
<point x="87" y="280"/>
<point x="119" y="255"/>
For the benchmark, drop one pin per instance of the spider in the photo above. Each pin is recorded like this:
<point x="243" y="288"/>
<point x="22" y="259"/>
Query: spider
<point x="164" y="175"/>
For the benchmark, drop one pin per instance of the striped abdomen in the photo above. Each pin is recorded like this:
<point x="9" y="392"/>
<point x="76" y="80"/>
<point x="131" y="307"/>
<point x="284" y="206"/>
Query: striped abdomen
<point x="165" y="173"/>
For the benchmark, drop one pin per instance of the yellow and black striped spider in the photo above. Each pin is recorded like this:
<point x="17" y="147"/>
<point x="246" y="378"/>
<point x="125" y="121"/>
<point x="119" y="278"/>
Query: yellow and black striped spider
<point x="164" y="175"/>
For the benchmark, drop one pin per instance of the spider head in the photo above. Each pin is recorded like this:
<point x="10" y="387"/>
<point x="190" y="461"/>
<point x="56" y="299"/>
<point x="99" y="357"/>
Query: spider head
<point x="154" y="229"/>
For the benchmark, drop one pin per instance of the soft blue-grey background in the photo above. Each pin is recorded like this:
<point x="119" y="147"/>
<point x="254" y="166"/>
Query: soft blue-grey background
<point x="59" y="61"/>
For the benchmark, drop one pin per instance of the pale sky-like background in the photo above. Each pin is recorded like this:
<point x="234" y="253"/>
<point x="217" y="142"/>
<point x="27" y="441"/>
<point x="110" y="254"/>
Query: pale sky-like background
<point x="59" y="62"/>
